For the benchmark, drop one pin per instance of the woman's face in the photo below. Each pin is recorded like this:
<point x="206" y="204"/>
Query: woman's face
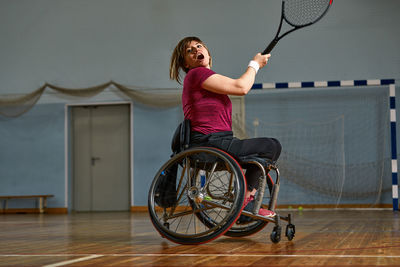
<point x="196" y="55"/>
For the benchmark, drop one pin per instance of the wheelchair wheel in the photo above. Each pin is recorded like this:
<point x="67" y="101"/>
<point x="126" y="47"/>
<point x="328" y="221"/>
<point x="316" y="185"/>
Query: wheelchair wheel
<point x="254" y="226"/>
<point x="196" y="196"/>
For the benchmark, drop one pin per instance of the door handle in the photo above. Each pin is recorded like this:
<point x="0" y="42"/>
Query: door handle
<point x="94" y="160"/>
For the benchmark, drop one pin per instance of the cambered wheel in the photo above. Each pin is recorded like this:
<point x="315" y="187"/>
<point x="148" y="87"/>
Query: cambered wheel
<point x="196" y="210"/>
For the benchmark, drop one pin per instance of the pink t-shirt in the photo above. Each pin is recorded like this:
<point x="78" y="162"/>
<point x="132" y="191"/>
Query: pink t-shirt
<point x="208" y="112"/>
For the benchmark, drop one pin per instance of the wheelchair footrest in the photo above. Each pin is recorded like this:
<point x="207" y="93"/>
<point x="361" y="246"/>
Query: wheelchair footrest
<point x="259" y="217"/>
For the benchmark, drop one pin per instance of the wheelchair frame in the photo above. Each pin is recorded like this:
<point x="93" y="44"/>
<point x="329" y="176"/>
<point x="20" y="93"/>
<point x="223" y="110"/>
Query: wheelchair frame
<point x="208" y="188"/>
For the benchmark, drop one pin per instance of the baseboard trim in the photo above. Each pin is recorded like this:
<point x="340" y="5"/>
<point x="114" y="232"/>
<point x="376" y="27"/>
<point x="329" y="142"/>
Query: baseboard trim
<point x="145" y="208"/>
<point x="139" y="209"/>
<point x="301" y="207"/>
<point x="333" y="206"/>
<point x="34" y="211"/>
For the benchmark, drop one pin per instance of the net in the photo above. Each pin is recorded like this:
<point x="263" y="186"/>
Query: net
<point x="14" y="106"/>
<point x="336" y="145"/>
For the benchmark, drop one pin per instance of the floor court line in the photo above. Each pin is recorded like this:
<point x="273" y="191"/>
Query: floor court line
<point x="92" y="256"/>
<point x="62" y="263"/>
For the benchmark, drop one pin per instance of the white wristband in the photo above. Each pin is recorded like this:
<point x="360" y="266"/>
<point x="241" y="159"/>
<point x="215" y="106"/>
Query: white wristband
<point x="254" y="65"/>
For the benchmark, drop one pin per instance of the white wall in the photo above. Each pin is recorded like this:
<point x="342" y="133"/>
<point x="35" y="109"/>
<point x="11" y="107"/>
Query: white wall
<point x="79" y="43"/>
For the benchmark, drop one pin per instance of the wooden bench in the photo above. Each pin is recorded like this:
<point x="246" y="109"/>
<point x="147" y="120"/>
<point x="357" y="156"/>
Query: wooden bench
<point x="42" y="201"/>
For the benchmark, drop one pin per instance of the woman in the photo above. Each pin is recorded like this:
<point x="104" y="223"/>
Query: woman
<point x="207" y="105"/>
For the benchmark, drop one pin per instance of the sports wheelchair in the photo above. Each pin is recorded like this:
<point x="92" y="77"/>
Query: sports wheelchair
<point x="198" y="195"/>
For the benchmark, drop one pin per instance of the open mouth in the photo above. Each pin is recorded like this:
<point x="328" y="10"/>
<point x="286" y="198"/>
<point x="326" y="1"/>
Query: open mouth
<point x="200" y="56"/>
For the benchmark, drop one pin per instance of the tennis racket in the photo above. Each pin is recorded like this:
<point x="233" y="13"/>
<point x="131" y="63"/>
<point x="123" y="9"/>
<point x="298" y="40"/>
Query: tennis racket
<point x="299" y="14"/>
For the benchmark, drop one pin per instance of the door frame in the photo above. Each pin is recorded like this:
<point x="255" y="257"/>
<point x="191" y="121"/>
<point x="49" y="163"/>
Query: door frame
<point x="68" y="147"/>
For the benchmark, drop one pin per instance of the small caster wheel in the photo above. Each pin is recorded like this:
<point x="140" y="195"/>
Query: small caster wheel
<point x="276" y="234"/>
<point x="290" y="231"/>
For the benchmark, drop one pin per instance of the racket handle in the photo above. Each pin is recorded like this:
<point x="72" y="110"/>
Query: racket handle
<point x="270" y="47"/>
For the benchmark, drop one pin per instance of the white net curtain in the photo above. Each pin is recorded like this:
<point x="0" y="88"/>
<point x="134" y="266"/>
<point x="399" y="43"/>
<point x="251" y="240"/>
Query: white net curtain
<point x="11" y="106"/>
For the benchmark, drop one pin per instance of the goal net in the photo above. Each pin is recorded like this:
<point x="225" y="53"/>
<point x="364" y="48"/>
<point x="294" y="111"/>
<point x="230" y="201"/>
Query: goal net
<point x="336" y="143"/>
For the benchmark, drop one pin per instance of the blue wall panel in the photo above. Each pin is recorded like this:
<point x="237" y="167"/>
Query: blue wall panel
<point x="32" y="154"/>
<point x="153" y="130"/>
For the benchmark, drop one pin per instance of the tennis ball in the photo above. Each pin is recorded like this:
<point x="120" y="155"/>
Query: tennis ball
<point x="290" y="207"/>
<point x="300" y="208"/>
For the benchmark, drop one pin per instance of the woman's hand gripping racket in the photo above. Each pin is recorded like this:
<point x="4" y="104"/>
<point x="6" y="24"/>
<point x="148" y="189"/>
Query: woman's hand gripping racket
<point x="299" y="14"/>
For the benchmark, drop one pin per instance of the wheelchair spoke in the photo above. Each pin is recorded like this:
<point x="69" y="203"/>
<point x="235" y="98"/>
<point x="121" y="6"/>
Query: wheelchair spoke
<point x="178" y="200"/>
<point x="221" y="188"/>
<point x="216" y="205"/>
<point x="191" y="211"/>
<point x="210" y="174"/>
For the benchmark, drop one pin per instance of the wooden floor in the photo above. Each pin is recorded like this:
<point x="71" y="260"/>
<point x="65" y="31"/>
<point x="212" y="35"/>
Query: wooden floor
<point x="323" y="238"/>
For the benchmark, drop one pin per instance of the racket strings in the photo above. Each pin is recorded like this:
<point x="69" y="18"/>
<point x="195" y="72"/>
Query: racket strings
<point x="303" y="12"/>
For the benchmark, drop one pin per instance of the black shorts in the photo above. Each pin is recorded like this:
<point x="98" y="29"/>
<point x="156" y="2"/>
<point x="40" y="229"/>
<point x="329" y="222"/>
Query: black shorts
<point x="263" y="147"/>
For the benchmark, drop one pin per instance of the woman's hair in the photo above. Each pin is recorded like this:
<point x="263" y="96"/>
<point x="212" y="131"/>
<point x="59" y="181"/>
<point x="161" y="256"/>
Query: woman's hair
<point x="178" y="58"/>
